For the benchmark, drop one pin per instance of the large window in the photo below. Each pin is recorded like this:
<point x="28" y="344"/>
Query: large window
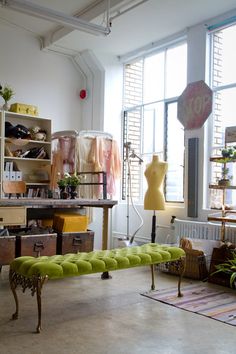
<point x="152" y="86"/>
<point x="223" y="82"/>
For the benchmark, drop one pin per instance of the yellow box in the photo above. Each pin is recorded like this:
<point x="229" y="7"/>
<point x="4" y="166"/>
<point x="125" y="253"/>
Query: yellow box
<point x="24" y="109"/>
<point x="70" y="223"/>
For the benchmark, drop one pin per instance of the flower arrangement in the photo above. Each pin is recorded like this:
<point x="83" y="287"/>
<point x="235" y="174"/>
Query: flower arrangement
<point x="73" y="180"/>
<point x="6" y="92"/>
<point x="68" y="184"/>
<point x="68" y="181"/>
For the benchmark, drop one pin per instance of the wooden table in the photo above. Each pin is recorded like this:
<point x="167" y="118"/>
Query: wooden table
<point x="36" y="205"/>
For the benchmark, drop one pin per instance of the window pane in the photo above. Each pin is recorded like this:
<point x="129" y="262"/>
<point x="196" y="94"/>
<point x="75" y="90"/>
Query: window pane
<point x="176" y="70"/>
<point x="174" y="155"/>
<point x="153" y="128"/>
<point x="223" y="72"/>
<point x="153" y="78"/>
<point x="224" y="57"/>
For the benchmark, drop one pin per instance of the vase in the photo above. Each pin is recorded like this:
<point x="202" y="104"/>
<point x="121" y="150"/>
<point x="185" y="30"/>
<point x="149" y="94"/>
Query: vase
<point x="73" y="192"/>
<point x="63" y="193"/>
<point x="6" y="106"/>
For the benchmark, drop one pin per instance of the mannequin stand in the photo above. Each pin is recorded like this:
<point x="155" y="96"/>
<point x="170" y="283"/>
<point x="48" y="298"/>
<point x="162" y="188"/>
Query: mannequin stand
<point x="153" y="234"/>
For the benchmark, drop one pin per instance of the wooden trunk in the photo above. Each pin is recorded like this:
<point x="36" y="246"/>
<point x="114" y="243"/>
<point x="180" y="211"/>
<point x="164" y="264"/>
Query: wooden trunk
<point x="36" y="245"/>
<point x="73" y="242"/>
<point x="7" y="249"/>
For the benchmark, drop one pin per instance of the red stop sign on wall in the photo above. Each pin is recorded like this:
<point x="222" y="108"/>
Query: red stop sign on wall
<point x="195" y="105"/>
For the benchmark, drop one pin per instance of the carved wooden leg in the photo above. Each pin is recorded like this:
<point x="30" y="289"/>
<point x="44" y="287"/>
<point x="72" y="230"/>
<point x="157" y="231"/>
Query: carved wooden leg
<point x="13" y="286"/>
<point x="182" y="263"/>
<point x="153" y="278"/>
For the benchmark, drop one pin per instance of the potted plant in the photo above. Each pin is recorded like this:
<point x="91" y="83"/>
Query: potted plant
<point x="72" y="181"/>
<point x="7" y="93"/>
<point x="62" y="184"/>
<point x="225" y="177"/>
<point x="229" y="268"/>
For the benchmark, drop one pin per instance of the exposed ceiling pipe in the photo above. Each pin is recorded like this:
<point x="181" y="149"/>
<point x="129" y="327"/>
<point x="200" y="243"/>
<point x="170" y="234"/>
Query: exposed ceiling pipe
<point x="26" y="7"/>
<point x="120" y="12"/>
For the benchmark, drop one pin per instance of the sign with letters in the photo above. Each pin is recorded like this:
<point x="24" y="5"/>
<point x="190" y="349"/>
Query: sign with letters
<point x="195" y="105"/>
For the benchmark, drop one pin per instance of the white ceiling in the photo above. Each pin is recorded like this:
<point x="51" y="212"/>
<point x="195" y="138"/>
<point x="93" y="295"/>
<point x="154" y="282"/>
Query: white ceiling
<point x="149" y="22"/>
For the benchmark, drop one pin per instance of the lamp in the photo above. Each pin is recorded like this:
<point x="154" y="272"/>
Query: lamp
<point x="73" y="22"/>
<point x="154" y="197"/>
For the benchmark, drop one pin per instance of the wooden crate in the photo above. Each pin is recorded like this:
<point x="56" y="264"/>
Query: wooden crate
<point x="36" y="245"/>
<point x="7" y="249"/>
<point x="73" y="242"/>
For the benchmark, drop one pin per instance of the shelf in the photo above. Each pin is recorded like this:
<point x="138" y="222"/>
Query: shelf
<point x="216" y="186"/>
<point x="223" y="219"/>
<point x="44" y="183"/>
<point x="25" y="159"/>
<point x="23" y="142"/>
<point x="220" y="159"/>
<point x="21" y="116"/>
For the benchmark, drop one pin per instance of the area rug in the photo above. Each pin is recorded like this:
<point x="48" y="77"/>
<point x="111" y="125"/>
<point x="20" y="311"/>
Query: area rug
<point x="218" y="304"/>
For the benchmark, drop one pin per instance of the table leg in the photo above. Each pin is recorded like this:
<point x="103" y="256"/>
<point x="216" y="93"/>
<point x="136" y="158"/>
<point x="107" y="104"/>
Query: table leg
<point x="105" y="275"/>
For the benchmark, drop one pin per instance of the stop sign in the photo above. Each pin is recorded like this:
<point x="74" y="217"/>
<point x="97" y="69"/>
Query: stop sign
<point x="195" y="105"/>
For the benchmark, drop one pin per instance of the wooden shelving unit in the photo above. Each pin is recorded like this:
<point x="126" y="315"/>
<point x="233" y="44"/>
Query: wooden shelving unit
<point x="35" y="171"/>
<point x="225" y="216"/>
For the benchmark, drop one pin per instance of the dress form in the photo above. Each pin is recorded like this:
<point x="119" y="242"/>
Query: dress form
<point x="154" y="197"/>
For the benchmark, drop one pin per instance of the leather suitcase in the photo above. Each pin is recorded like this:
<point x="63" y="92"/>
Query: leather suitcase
<point x="36" y="245"/>
<point x="7" y="249"/>
<point x="74" y="242"/>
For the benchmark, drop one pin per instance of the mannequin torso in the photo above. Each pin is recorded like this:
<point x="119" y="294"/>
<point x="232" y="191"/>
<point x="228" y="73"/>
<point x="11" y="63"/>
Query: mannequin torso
<point x="155" y="173"/>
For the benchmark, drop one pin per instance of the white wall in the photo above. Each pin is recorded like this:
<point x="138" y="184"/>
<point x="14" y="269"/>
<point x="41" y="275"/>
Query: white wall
<point x="44" y="79"/>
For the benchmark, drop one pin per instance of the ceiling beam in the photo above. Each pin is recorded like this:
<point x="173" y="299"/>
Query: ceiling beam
<point x="89" y="13"/>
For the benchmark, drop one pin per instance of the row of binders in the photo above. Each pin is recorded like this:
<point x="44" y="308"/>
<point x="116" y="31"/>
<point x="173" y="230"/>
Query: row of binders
<point x="11" y="172"/>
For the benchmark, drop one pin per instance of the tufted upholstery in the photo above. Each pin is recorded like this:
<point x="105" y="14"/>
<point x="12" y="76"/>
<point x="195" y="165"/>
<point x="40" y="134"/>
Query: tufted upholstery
<point x="68" y="265"/>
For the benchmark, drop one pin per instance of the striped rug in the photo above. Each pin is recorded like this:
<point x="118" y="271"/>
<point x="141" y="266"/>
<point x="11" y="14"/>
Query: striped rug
<point x="217" y="303"/>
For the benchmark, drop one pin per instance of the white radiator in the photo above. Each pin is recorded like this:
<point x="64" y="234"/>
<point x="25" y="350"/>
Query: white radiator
<point x="203" y="230"/>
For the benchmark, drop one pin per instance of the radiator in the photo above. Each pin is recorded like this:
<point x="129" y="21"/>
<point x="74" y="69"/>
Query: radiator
<point x="203" y="230"/>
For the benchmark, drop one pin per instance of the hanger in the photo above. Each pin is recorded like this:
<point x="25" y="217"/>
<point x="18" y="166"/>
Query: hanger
<point x="65" y="134"/>
<point x="94" y="134"/>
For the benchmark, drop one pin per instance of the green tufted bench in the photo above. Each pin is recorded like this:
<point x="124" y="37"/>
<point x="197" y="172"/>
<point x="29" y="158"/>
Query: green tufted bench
<point x="31" y="272"/>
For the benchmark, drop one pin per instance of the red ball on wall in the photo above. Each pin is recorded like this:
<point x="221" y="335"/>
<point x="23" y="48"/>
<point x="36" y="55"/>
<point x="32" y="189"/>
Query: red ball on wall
<point x="83" y="94"/>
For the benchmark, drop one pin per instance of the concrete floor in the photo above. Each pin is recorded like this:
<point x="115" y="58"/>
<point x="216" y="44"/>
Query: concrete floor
<point x="88" y="315"/>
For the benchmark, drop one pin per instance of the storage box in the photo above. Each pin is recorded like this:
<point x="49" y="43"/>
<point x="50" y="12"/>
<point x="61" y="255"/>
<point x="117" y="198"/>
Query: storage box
<point x="70" y="223"/>
<point x="36" y="245"/>
<point x="7" y="249"/>
<point x="220" y="255"/>
<point x="24" y="109"/>
<point x="74" y="242"/>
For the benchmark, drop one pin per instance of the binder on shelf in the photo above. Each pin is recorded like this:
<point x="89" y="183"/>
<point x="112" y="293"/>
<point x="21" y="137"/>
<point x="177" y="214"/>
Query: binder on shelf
<point x="12" y="175"/>
<point x="6" y="176"/>
<point x="18" y="175"/>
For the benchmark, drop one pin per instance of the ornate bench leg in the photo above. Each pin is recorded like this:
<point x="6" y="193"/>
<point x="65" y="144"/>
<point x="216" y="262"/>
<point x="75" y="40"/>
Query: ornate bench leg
<point x="181" y="267"/>
<point x="13" y="286"/>
<point x="153" y="278"/>
<point x="39" y="303"/>
<point x="35" y="284"/>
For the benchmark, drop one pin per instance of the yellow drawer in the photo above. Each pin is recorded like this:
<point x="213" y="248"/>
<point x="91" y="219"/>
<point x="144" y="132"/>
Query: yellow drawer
<point x="12" y="216"/>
